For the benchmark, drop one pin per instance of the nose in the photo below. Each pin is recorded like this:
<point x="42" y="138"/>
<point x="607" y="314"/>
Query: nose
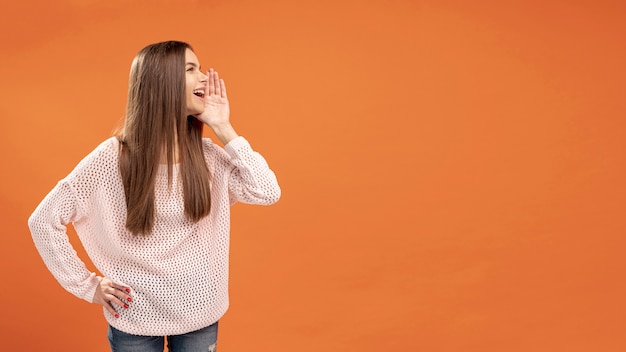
<point x="203" y="77"/>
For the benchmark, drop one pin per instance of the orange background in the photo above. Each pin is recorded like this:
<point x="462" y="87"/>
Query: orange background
<point x="452" y="172"/>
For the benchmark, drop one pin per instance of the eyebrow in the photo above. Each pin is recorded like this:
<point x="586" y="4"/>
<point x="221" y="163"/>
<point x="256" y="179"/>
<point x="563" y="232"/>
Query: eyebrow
<point x="194" y="65"/>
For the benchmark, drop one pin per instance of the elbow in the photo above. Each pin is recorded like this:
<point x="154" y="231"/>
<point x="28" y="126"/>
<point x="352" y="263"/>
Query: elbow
<point x="32" y="222"/>
<point x="274" y="196"/>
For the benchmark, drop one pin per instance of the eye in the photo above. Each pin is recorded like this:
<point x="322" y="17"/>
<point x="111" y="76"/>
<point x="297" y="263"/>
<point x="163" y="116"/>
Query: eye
<point x="190" y="69"/>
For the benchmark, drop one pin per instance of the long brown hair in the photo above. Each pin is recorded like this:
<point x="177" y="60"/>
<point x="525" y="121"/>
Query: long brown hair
<point x="156" y="122"/>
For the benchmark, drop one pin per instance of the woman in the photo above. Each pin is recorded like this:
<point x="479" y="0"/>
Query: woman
<point x="151" y="207"/>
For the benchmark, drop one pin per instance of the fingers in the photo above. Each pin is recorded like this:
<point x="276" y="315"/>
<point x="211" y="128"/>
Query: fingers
<point x="111" y="310"/>
<point x="210" y="73"/>
<point x="223" y="88"/>
<point x="110" y="294"/>
<point x="216" y="84"/>
<point x="118" y="297"/>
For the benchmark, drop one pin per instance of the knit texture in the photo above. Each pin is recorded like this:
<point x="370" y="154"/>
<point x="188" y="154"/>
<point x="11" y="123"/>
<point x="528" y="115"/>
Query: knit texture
<point x="178" y="274"/>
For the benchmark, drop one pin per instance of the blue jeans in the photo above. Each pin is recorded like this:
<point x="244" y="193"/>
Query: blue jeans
<point x="203" y="340"/>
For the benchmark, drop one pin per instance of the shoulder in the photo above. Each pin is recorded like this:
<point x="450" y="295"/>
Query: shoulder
<point x="108" y="148"/>
<point x="106" y="151"/>
<point x="212" y="151"/>
<point x="101" y="159"/>
<point x="207" y="144"/>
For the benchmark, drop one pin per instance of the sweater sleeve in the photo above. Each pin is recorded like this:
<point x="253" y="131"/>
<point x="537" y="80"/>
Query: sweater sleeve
<point x="48" y="228"/>
<point x="251" y="180"/>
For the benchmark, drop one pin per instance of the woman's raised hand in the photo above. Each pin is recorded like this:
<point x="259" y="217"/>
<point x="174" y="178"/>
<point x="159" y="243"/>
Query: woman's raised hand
<point x="216" y="112"/>
<point x="216" y="108"/>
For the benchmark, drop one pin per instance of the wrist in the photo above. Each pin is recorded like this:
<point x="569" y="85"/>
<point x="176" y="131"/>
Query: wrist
<point x="225" y="132"/>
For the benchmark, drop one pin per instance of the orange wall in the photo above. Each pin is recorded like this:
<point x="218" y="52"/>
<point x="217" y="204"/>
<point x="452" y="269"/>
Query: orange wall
<point x="453" y="172"/>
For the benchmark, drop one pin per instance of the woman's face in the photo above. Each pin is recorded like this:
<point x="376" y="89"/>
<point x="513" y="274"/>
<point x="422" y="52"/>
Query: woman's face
<point x="196" y="84"/>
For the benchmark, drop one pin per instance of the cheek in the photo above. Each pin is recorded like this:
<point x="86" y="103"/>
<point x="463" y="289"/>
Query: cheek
<point x="189" y="85"/>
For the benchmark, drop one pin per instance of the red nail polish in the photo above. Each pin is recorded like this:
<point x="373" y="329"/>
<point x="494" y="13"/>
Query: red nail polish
<point x="129" y="299"/>
<point x="125" y="305"/>
<point x="127" y="290"/>
<point x="117" y="315"/>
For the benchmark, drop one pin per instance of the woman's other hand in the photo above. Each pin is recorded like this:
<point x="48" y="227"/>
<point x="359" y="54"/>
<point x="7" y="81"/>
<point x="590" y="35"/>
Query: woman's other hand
<point x="109" y="294"/>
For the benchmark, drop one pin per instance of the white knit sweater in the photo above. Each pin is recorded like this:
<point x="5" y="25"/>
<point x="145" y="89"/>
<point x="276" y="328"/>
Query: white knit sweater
<point x="178" y="274"/>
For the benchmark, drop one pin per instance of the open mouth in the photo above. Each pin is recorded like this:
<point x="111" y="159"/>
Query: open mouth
<point x="198" y="93"/>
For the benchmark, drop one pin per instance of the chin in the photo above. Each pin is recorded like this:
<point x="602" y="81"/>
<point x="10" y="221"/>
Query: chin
<point x="194" y="112"/>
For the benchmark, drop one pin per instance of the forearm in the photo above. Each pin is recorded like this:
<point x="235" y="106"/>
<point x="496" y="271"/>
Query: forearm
<point x="48" y="229"/>
<point x="252" y="181"/>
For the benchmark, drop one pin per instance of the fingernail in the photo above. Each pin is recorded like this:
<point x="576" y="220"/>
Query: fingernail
<point x="127" y="290"/>
<point x="129" y="299"/>
<point x="125" y="305"/>
<point x="117" y="315"/>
